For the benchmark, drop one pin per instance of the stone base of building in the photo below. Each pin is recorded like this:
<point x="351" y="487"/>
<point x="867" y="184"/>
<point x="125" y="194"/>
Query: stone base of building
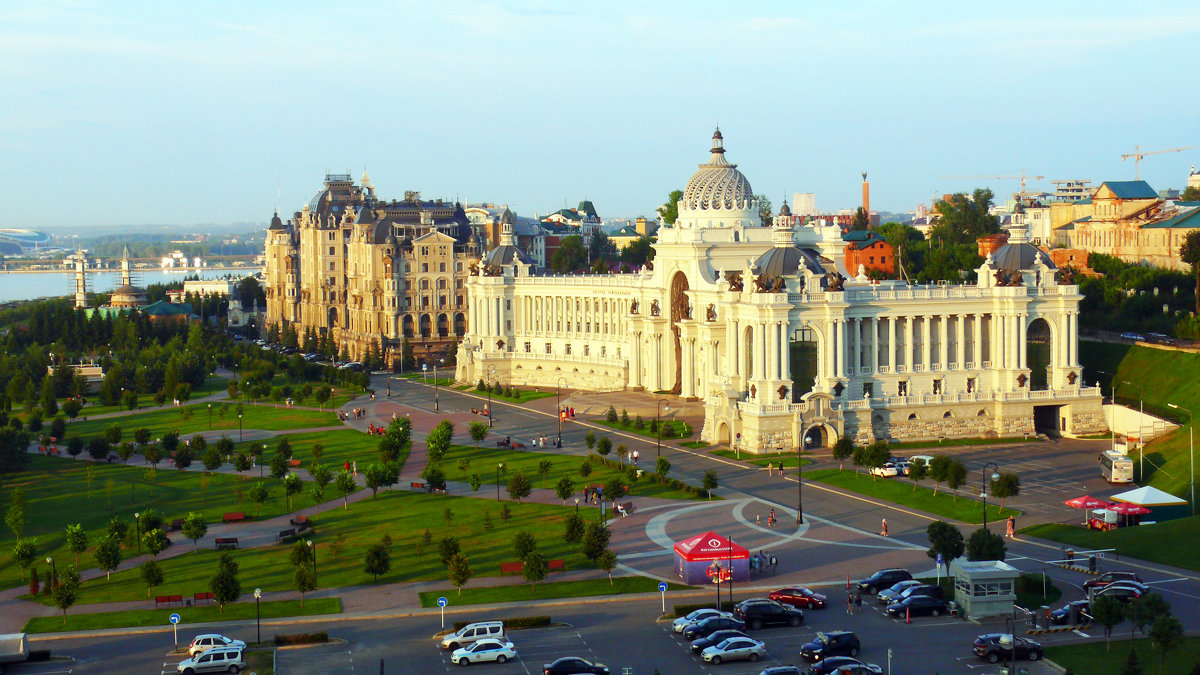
<point x="509" y="368"/>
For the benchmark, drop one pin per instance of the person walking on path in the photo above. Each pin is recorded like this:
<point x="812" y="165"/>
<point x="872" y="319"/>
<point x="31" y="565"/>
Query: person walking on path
<point x="771" y="519"/>
<point x="884" y="531"/>
<point x="858" y="603"/>
<point x="1011" y="528"/>
<point x="849" y="603"/>
<point x="354" y="467"/>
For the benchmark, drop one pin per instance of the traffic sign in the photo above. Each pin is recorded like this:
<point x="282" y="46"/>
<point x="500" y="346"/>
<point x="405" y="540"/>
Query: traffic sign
<point x="939" y="559"/>
<point x="174" y="618"/>
<point x="662" y="587"/>
<point x="442" y="602"/>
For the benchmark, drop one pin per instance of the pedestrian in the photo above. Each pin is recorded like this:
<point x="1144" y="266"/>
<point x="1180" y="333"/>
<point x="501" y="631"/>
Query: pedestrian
<point x="884" y="530"/>
<point x="758" y="520"/>
<point x="770" y="468"/>
<point x="355" y="468"/>
<point x="771" y="519"/>
<point x="858" y="603"/>
<point x="774" y="564"/>
<point x="849" y="603"/>
<point x="1011" y="529"/>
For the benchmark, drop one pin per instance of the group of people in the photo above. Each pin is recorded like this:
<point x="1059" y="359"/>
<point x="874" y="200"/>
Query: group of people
<point x="356" y="413"/>
<point x="477" y="411"/>
<point x="772" y="469"/>
<point x="854" y="602"/>
<point x="763" y="559"/>
<point x="376" y="431"/>
<point x="771" y="520"/>
<point x="593" y="495"/>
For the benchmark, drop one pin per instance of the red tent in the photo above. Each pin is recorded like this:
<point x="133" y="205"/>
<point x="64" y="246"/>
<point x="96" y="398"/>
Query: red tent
<point x="694" y="554"/>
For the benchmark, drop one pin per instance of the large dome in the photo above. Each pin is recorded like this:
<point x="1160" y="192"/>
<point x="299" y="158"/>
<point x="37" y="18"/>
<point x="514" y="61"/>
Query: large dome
<point x="718" y="185"/>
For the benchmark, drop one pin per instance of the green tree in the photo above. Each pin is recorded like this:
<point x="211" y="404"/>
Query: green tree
<point x="608" y="561"/>
<point x="1190" y="194"/>
<point x="1189" y="252"/>
<point x="155" y="541"/>
<point x="519" y="486"/>
<point x="963" y="218"/>
<point x="861" y="220"/>
<point x="279" y="466"/>
<point x="212" y="459"/>
<point x="945" y="540"/>
<point x="194" y="527"/>
<point x="377" y="561"/>
<point x="1131" y="667"/>
<point x="14" y="516"/>
<point x="860" y="457"/>
<point x="183" y="457"/>
<point x="1142" y="611"/>
<point x="242" y="463"/>
<point x="259" y="494"/>
<point x="113" y="433"/>
<point x="438" y="440"/>
<point x="639" y="251"/>
<point x="589" y="439"/>
<point x="344" y="483"/>
<point x="939" y="470"/>
<point x="766" y="215"/>
<point x="23" y="553"/>
<point x="448" y="547"/>
<point x="843" y="449"/>
<point x="475" y="482"/>
<point x="152" y="575"/>
<point x="108" y="555"/>
<point x="117" y="528"/>
<point x="877" y="456"/>
<point x="1007" y="485"/>
<point x="459" y="571"/>
<point x="77" y="541"/>
<point x="564" y="489"/>
<point x="570" y="256"/>
<point x="478" y="432"/>
<point x="305" y="579"/>
<point x="585" y="468"/>
<point x="544" y="468"/>
<point x="662" y="467"/>
<point x="67" y="591"/>
<point x="983" y="545"/>
<point x="1166" y="633"/>
<point x="604" y="446"/>
<point x="710" y="482"/>
<point x="573" y="527"/>
<point x="535" y="568"/>
<point x="524" y="544"/>
<point x="956" y="476"/>
<point x="595" y="541"/>
<point x="669" y="211"/>
<point x="225" y="586"/>
<point x="917" y="471"/>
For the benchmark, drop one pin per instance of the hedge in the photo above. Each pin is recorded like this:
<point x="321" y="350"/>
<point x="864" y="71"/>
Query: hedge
<point x="302" y="638"/>
<point x="513" y="623"/>
<point x="684" y="610"/>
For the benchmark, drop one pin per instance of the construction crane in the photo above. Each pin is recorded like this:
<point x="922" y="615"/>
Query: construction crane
<point x="1021" y="178"/>
<point x="1138" y="155"/>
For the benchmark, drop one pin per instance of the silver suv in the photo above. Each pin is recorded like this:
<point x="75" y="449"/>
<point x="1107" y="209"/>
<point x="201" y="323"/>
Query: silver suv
<point x="215" y="660"/>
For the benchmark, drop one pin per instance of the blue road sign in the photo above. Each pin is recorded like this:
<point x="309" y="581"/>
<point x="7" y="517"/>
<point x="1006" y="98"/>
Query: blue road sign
<point x="442" y="602"/>
<point x="939" y="559"/>
<point x="174" y="618"/>
<point x="662" y="587"/>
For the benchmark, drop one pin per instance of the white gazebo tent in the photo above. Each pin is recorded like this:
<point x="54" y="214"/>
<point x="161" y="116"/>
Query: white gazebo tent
<point x="1163" y="505"/>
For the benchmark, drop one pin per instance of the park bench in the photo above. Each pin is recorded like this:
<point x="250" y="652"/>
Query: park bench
<point x="168" y="600"/>
<point x="299" y="521"/>
<point x="235" y="517"/>
<point x="628" y="508"/>
<point x="176" y="525"/>
<point x="417" y="486"/>
<point x="556" y="565"/>
<point x="517" y="567"/>
<point x="226" y="542"/>
<point x="294" y="463"/>
<point x="203" y="597"/>
<point x="286" y="534"/>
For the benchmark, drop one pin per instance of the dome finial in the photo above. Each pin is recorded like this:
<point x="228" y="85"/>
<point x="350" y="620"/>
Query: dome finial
<point x="718" y="147"/>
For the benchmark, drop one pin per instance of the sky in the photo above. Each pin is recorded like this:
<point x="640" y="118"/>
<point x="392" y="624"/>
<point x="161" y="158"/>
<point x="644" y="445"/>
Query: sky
<point x="121" y="113"/>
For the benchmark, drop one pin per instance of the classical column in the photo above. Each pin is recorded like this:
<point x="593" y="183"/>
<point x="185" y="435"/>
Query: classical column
<point x="1023" y="339"/>
<point x="687" y="373"/>
<point x="1073" y="340"/>
<point x="926" y="334"/>
<point x="892" y="343"/>
<point x="961" y="342"/>
<point x="874" y="345"/>
<point x="908" y="343"/>
<point x="840" y="333"/>
<point x="944" y="342"/>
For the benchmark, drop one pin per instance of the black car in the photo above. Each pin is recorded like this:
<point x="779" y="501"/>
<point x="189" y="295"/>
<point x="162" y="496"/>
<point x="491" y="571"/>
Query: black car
<point x="1125" y="591"/>
<point x="770" y="613"/>
<point x="834" y="664"/>
<point x="1061" y="615"/>
<point x="930" y="590"/>
<point x="714" y="639"/>
<point x="833" y="643"/>
<point x="919" y="605"/>
<point x="568" y="665"/>
<point x="882" y="579"/>
<point x="995" y="647"/>
<point x="711" y="625"/>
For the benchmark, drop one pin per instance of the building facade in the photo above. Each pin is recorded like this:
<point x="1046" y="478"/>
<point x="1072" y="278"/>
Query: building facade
<point x="781" y="341"/>
<point x="1128" y="220"/>
<point x="370" y="273"/>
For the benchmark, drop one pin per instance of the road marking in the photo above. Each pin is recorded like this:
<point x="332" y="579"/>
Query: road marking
<point x="1081" y="633"/>
<point x="1166" y="581"/>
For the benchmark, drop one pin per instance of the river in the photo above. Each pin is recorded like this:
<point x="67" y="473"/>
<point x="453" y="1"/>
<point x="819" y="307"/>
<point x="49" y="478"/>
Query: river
<point x="30" y="285"/>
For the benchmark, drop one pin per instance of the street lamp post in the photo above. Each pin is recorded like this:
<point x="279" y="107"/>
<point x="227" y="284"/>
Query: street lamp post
<point x="658" y="424"/>
<point x="435" y="384"/>
<point x="53" y="572"/>
<point x="499" y="468"/>
<point x="1141" y="416"/>
<point x="312" y="549"/>
<point x="983" y="483"/>
<point x="210" y="417"/>
<point x="137" y="525"/>
<point x="558" y="404"/>
<point x="799" y="483"/>
<point x="258" y="613"/>
<point x="1191" y="454"/>
<point x="491" y="380"/>
<point x="239" y="427"/>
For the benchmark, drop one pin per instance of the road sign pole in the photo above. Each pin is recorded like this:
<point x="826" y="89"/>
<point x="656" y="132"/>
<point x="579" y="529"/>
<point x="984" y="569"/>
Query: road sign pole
<point x="662" y="589"/>
<point x="442" y="602"/>
<point x="174" y="619"/>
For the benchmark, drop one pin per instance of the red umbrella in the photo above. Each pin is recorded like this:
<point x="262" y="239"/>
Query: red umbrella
<point x="1127" y="509"/>
<point x="1087" y="502"/>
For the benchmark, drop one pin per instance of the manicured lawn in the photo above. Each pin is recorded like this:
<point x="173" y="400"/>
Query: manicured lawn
<point x="671" y="429"/>
<point x="402" y="515"/>
<point x="789" y="459"/>
<point x="485" y="460"/>
<point x="954" y="442"/>
<point x="211" y="385"/>
<point x="1093" y="659"/>
<point x="900" y="491"/>
<point x="57" y="494"/>
<point x="190" y="419"/>
<point x="545" y="590"/>
<point x="1144" y="542"/>
<point x="187" y="615"/>
<point x="260" y="661"/>
<point x="341" y="446"/>
<point x="522" y="396"/>
<point x="694" y="445"/>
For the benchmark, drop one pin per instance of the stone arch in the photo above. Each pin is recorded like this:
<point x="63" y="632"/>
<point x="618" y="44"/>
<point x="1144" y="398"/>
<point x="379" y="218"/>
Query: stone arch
<point x="1039" y="352"/>
<point x="820" y="436"/>
<point x="680" y="309"/>
<point x="981" y="413"/>
<point x="912" y="417"/>
<point x="425" y="325"/>
<point x="443" y="325"/>
<point x="723" y="433"/>
<point x="460" y="324"/>
<point x="804" y="349"/>
<point x="333" y="317"/>
<point x="947" y="415"/>
<point x="746" y="357"/>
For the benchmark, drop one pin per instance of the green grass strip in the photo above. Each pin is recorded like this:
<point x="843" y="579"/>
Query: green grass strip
<point x="900" y="491"/>
<point x="545" y="591"/>
<point x="671" y="429"/>
<point x="1144" y="542"/>
<point x="789" y="459"/>
<point x="137" y="618"/>
<point x="1098" y="658"/>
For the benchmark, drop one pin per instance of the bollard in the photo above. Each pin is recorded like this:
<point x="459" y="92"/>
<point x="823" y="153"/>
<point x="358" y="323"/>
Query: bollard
<point x="1091" y="563"/>
<point x="1044" y="610"/>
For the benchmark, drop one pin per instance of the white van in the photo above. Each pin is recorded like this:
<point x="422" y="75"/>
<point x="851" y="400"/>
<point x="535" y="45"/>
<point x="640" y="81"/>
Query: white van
<point x="471" y="632"/>
<point x="215" y="660"/>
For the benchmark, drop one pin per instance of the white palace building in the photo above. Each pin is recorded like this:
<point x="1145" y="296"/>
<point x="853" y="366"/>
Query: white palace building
<point x="780" y="341"/>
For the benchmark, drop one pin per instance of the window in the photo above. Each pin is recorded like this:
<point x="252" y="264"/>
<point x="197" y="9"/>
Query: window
<point x="587" y="350"/>
<point x="603" y="351"/>
<point x="441" y="267"/>
<point x="902" y="388"/>
<point x="937" y="387"/>
<point x="330" y="250"/>
<point x="872" y="260"/>
<point x="970" y="385"/>
<point x="508" y="305"/>
<point x="868" y="389"/>
<point x="528" y="348"/>
<point x="332" y="266"/>
<point x="547" y="347"/>
<point x="568" y="349"/>
<point x="424" y="267"/>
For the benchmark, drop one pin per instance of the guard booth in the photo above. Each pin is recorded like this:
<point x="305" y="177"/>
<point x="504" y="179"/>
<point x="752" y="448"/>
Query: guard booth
<point x="984" y="588"/>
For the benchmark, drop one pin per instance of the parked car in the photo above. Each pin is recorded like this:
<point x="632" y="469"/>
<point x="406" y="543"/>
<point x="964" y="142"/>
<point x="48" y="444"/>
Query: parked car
<point x="890" y="594"/>
<point x="203" y="643"/>
<point x="1130" y="335"/>
<point x="799" y="596"/>
<point x="859" y="669"/>
<point x="215" y="660"/>
<point x="902" y="465"/>
<point x="882" y="579"/>
<point x="995" y="647"/>
<point x="932" y="590"/>
<point x="1061" y="615"/>
<point x="888" y="470"/>
<point x="715" y="639"/>
<point x="473" y="631"/>
<point x="759" y="614"/>
<point x="711" y="625"/>
<point x="1108" y="578"/>
<point x="484" y="650"/>
<point x="1124" y="590"/>
<point x="735" y="649"/>
<point x="834" y="664"/>
<point x="573" y="665"/>
<point x="832" y="643"/>
<point x="782" y="669"/>
<point x="698" y="615"/>
<point x="924" y="458"/>
<point x="919" y="605"/>
<point x="1160" y="338"/>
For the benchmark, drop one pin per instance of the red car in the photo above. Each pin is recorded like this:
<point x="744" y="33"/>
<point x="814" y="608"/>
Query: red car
<point x="1109" y="578"/>
<point x="799" y="596"/>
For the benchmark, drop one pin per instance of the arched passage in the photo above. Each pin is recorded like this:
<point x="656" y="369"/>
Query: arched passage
<point x="820" y="436"/>
<point x="1038" y="349"/>
<point x="723" y="435"/>
<point x="802" y="362"/>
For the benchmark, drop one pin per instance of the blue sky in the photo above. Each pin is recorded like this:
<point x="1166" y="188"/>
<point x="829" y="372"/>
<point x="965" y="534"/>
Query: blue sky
<point x="202" y="112"/>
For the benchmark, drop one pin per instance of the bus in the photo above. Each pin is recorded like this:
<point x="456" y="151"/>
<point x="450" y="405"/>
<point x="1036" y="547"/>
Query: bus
<point x="1116" y="467"/>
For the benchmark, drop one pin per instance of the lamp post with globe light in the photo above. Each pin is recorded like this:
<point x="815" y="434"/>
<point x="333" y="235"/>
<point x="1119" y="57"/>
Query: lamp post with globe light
<point x="658" y="424"/>
<point x="258" y="612"/>
<point x="435" y="383"/>
<point x="137" y="525"/>
<point x="499" y="468"/>
<point x="984" y="484"/>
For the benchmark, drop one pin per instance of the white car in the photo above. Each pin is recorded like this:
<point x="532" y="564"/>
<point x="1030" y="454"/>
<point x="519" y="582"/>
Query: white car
<point x="735" y="649"/>
<point x="683" y="622"/>
<point x="203" y="643"/>
<point x="484" y="650"/>
<point x="887" y="470"/>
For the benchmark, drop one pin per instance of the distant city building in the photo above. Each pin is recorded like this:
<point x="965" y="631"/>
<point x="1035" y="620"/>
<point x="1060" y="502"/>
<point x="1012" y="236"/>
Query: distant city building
<point x="371" y="273"/>
<point x="177" y="259"/>
<point x="1194" y="178"/>
<point x="15" y="241"/>
<point x="488" y="219"/>
<point x="1128" y="220"/>
<point x="804" y="204"/>
<point x="221" y="287"/>
<point x="1072" y="190"/>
